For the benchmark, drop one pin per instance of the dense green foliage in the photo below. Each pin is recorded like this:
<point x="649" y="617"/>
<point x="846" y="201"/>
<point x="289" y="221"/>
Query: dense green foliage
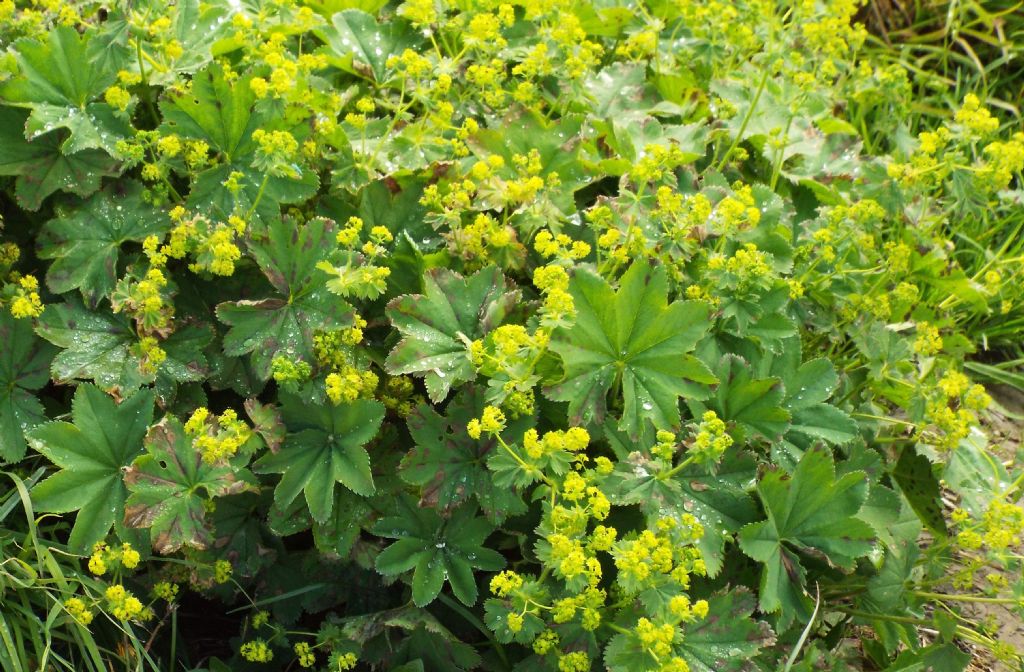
<point x="451" y="335"/>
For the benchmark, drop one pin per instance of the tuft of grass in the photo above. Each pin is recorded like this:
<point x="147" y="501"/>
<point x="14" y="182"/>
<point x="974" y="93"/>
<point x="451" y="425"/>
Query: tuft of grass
<point x="36" y="577"/>
<point x="958" y="46"/>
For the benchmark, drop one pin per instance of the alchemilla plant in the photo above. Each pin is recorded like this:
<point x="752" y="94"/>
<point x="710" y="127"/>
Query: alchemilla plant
<point x="638" y="336"/>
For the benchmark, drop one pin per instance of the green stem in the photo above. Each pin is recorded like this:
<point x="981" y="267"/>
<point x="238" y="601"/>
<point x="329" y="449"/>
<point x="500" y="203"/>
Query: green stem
<point x="676" y="469"/>
<point x="528" y="468"/>
<point x="259" y="195"/>
<point x="174" y="636"/>
<point x="780" y="152"/>
<point x="147" y="99"/>
<point x="961" y="631"/>
<point x="883" y="419"/>
<point x="746" y="120"/>
<point x="966" y="598"/>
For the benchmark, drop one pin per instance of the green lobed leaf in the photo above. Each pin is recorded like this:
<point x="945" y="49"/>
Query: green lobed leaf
<point x="324" y="446"/>
<point x="215" y="110"/>
<point x="438" y="325"/>
<point x="437" y="550"/>
<point x="84" y="244"/>
<point x="42" y="168"/>
<point x="58" y="81"/>
<point x="808" y="387"/>
<point x="220" y="111"/>
<point x="91" y="453"/>
<point x="933" y="658"/>
<point x="809" y="512"/>
<point x="720" y="502"/>
<point x="24" y="370"/>
<point x="450" y="466"/>
<point x="286" y="323"/>
<point x="753" y="405"/>
<point x="96" y="345"/>
<point x="170" y="485"/>
<point x="632" y="340"/>
<point x="357" y="44"/>
<point x="975" y="474"/>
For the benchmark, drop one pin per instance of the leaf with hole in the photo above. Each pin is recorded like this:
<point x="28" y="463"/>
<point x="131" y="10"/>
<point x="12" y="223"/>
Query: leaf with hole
<point x="170" y="486"/>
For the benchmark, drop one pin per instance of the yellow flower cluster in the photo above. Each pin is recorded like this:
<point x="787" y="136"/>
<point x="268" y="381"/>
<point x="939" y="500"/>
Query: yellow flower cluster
<point x="334" y="351"/>
<point x="121" y="604"/>
<point x="545" y="642"/>
<point x="483" y="32"/>
<point x="276" y="151"/>
<point x="104" y="557"/>
<point x="149" y="354"/>
<point x="419" y="12"/>
<point x="289" y="372"/>
<point x="222" y="571"/>
<point x="1003" y="160"/>
<point x="169" y="48"/>
<point x="572" y="440"/>
<point x="950" y="412"/>
<point x="26" y="302"/>
<point x="509" y="353"/>
<point x="656" y="162"/>
<point x="146" y="300"/>
<point x="953" y="149"/>
<point x="1003" y="525"/>
<point x="481" y="241"/>
<point x="305" y="655"/>
<point x="358" y="119"/>
<point x="680" y="215"/>
<point x="748" y="267"/>
<point x="505" y="583"/>
<point x="217" y="439"/>
<point x="711" y="440"/>
<point x="975" y="118"/>
<point x="492" y="422"/>
<point x="165" y="590"/>
<point x="834" y="34"/>
<point x="118" y="98"/>
<point x="577" y="661"/>
<point x="553" y="283"/>
<point x="579" y="55"/>
<point x="681" y="607"/>
<point x="289" y="75"/>
<point x="662" y="555"/>
<point x="571" y="559"/>
<point x="658" y="639"/>
<point x="169" y="145"/>
<point x="77" y="610"/>
<point x="416" y="67"/>
<point x="213" y="245"/>
<point x="350" y="384"/>
<point x="9" y="254"/>
<point x="398" y="395"/>
<point x="724" y="23"/>
<point x="928" y="341"/>
<point x="256" y="651"/>
<point x="588" y="603"/>
<point x="999" y="530"/>
<point x="562" y="247"/>
<point x="675" y="664"/>
<point x="737" y="212"/>
<point x="642" y="44"/>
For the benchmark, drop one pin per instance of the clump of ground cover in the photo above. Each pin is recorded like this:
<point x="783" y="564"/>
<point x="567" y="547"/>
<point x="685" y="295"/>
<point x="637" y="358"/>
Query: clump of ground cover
<point x="444" y="336"/>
